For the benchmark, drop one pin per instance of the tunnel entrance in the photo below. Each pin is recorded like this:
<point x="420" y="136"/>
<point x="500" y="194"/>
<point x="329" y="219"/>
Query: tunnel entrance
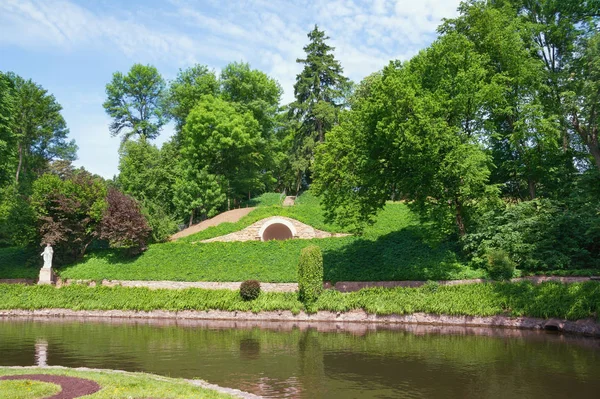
<point x="277" y="231"/>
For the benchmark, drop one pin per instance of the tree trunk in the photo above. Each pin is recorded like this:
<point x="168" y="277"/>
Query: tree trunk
<point x="20" y="163"/>
<point x="595" y="149"/>
<point x="531" y="184"/>
<point x="459" y="219"/>
<point x="191" y="218"/>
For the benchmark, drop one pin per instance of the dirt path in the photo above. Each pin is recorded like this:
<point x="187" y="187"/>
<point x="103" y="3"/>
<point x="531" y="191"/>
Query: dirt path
<point x="231" y="216"/>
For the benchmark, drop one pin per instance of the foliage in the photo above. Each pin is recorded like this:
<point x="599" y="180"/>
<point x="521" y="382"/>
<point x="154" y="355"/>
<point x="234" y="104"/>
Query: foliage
<point x="17" y="219"/>
<point x="7" y="135"/>
<point x="250" y="290"/>
<point x="189" y="86"/>
<point x="396" y="247"/>
<point x="547" y="300"/>
<point x="541" y="235"/>
<point x="115" y="385"/>
<point x="319" y="92"/>
<point x="418" y="132"/>
<point x="499" y="265"/>
<point x="227" y="142"/>
<point x="123" y="224"/>
<point x="197" y="192"/>
<point x="135" y="102"/>
<point x="68" y="212"/>
<point x="162" y="225"/>
<point x="41" y="131"/>
<point x="310" y="274"/>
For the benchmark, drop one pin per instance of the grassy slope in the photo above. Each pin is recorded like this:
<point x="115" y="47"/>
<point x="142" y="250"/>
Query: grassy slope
<point x="116" y="385"/>
<point x="26" y="389"/>
<point x="394" y="248"/>
<point x="547" y="300"/>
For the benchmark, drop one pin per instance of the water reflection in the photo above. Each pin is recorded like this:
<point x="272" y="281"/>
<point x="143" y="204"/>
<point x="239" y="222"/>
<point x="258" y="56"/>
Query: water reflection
<point x="318" y="360"/>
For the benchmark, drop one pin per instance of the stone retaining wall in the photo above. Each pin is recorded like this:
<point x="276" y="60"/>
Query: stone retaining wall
<point x="587" y="327"/>
<point x="251" y="233"/>
<point x="342" y="286"/>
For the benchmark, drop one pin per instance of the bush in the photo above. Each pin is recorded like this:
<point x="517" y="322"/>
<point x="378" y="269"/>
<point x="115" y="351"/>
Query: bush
<point x="310" y="274"/>
<point x="499" y="265"/>
<point x="250" y="290"/>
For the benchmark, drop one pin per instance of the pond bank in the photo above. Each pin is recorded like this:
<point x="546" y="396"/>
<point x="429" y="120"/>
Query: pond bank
<point x="122" y="384"/>
<point x="587" y="327"/>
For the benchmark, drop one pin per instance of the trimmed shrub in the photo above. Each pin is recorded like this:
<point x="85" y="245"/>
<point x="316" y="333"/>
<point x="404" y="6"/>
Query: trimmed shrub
<point x="250" y="290"/>
<point x="499" y="264"/>
<point x="310" y="274"/>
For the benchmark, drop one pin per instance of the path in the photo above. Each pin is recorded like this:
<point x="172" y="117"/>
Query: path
<point x="231" y="216"/>
<point x="342" y="286"/>
<point x="289" y="201"/>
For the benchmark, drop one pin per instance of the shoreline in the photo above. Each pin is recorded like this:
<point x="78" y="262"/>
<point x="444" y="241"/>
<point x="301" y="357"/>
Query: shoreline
<point x="586" y="327"/>
<point x="195" y="382"/>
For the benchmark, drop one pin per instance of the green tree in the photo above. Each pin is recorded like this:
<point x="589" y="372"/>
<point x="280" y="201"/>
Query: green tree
<point x="7" y="135"/>
<point x="135" y="102"/>
<point x="319" y="87"/>
<point x="227" y="142"/>
<point x="197" y="193"/>
<point x="319" y="90"/>
<point x="40" y="130"/>
<point x="187" y="89"/>
<point x="253" y="91"/>
<point x="523" y="136"/>
<point x="417" y="131"/>
<point x="584" y="102"/>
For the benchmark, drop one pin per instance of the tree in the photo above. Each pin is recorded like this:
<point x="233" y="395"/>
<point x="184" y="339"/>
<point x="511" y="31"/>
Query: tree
<point x="319" y="92"/>
<point x="252" y="90"/>
<point x="68" y="212"/>
<point x="319" y="87"/>
<point x="136" y="103"/>
<point x="123" y="224"/>
<point x="417" y="131"/>
<point x="7" y="134"/>
<point x="227" y="142"/>
<point x="40" y="130"/>
<point x="584" y="102"/>
<point x="187" y="89"/>
<point x="524" y="138"/>
<point x="197" y="192"/>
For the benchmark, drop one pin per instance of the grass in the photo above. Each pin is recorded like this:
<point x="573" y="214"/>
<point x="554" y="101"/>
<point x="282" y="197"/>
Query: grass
<point x="115" y="385"/>
<point x="396" y="247"/>
<point x="26" y="389"/>
<point x="546" y="300"/>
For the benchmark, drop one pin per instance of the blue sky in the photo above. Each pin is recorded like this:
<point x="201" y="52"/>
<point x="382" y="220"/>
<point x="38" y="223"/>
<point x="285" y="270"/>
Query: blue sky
<point x="72" y="47"/>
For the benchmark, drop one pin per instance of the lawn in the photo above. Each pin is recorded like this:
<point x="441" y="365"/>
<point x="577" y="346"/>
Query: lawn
<point x="396" y="247"/>
<point x="546" y="300"/>
<point x="114" y="385"/>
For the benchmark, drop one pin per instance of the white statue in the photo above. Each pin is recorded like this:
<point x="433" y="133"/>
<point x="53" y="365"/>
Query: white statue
<point x="47" y="255"/>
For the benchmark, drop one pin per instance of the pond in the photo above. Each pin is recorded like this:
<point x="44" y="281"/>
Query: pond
<point x="288" y="360"/>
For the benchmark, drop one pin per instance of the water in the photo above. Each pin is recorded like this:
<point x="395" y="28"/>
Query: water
<point x="281" y="360"/>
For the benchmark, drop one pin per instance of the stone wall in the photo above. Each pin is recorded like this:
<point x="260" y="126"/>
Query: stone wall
<point x="252" y="232"/>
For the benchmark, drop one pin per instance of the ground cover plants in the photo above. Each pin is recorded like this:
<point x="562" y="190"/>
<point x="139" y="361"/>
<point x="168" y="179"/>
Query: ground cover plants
<point x="114" y="385"/>
<point x="546" y="300"/>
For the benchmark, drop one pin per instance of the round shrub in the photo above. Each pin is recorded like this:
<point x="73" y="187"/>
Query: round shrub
<point x="250" y="290"/>
<point x="499" y="264"/>
<point x="310" y="274"/>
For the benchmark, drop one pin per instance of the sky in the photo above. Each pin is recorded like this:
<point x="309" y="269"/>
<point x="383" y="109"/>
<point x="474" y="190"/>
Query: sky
<point x="72" y="48"/>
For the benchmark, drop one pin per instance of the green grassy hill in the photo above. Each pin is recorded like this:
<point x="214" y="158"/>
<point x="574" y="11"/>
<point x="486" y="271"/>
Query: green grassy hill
<point x="396" y="247"/>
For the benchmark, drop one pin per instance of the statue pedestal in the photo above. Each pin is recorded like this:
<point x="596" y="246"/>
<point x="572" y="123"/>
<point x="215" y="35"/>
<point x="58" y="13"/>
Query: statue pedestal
<point x="47" y="276"/>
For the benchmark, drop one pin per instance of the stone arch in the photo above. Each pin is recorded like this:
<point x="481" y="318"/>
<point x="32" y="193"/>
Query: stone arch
<point x="277" y="229"/>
